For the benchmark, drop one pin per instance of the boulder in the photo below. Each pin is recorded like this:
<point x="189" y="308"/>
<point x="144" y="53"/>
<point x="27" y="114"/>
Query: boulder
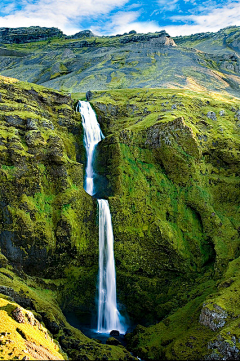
<point x="114" y="333"/>
<point x="113" y="341"/>
<point x="89" y="95"/>
<point x="212" y="115"/>
<point x="18" y="315"/>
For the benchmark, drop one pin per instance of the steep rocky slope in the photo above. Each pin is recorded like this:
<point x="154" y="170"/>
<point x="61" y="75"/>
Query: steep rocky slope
<point x="169" y="166"/>
<point x="153" y="60"/>
<point x="27" y="35"/>
<point x="172" y="160"/>
<point x="48" y="231"/>
<point x="223" y="41"/>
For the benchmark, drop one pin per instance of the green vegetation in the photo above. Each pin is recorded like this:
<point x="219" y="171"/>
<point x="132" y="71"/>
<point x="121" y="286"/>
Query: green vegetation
<point x="48" y="235"/>
<point x="169" y="167"/>
<point x="208" y="62"/>
<point x="171" y="159"/>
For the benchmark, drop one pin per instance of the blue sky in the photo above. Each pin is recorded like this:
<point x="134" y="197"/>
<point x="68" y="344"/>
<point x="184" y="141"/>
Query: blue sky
<point x="109" y="17"/>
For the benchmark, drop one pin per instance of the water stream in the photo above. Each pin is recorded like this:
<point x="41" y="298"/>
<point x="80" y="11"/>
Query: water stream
<point x="108" y="314"/>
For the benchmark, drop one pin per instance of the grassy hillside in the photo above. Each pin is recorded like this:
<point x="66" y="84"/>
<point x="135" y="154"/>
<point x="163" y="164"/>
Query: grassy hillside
<point x="203" y="62"/>
<point x="171" y="159"/>
<point x="222" y="42"/>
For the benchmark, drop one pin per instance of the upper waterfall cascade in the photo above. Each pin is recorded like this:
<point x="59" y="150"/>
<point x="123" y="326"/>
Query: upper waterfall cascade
<point x="108" y="314"/>
<point x="92" y="136"/>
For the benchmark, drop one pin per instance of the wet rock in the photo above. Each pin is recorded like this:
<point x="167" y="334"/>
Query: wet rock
<point x="222" y="113"/>
<point x="212" y="115"/>
<point x="214" y="319"/>
<point x="89" y="95"/>
<point x="18" y="315"/>
<point x="114" y="333"/>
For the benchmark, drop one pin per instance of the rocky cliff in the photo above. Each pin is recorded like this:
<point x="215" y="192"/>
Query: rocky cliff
<point x="169" y="167"/>
<point x="48" y="231"/>
<point x="171" y="160"/>
<point x="27" y="35"/>
<point x="131" y="60"/>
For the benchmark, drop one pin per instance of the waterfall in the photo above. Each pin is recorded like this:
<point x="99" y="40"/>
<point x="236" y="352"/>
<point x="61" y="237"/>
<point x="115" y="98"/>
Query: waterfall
<point x="108" y="314"/>
<point x="92" y="136"/>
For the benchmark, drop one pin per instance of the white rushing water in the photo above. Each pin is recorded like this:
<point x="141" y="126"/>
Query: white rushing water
<point x="108" y="314"/>
<point x="92" y="136"/>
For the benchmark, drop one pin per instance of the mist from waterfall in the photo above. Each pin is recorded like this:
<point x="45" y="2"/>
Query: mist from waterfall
<point x="108" y="314"/>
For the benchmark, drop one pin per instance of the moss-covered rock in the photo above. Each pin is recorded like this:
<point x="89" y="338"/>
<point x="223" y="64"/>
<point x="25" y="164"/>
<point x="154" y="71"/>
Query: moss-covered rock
<point x="48" y="223"/>
<point x="174" y="209"/>
<point x="171" y="175"/>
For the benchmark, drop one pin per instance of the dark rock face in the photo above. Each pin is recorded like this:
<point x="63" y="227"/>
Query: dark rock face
<point x="52" y="326"/>
<point x="21" y="299"/>
<point x="27" y="35"/>
<point x="114" y="333"/>
<point x="89" y="95"/>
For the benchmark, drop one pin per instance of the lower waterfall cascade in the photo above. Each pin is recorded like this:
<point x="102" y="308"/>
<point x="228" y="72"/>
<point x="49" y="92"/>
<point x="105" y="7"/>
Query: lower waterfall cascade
<point x="109" y="317"/>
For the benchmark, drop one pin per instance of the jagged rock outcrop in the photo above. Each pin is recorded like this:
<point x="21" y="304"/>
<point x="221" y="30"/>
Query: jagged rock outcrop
<point x="28" y="34"/>
<point x="161" y="38"/>
<point x="214" y="318"/>
<point x="82" y="34"/>
<point x="224" y="349"/>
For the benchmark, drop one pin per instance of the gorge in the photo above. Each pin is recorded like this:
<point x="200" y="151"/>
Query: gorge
<point x="168" y="166"/>
<point x="108" y="314"/>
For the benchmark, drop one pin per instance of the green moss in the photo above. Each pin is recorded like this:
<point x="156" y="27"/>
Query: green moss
<point x="171" y="176"/>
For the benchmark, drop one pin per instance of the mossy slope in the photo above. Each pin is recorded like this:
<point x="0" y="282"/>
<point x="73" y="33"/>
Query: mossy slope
<point x="169" y="165"/>
<point x="171" y="159"/>
<point x="48" y="228"/>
